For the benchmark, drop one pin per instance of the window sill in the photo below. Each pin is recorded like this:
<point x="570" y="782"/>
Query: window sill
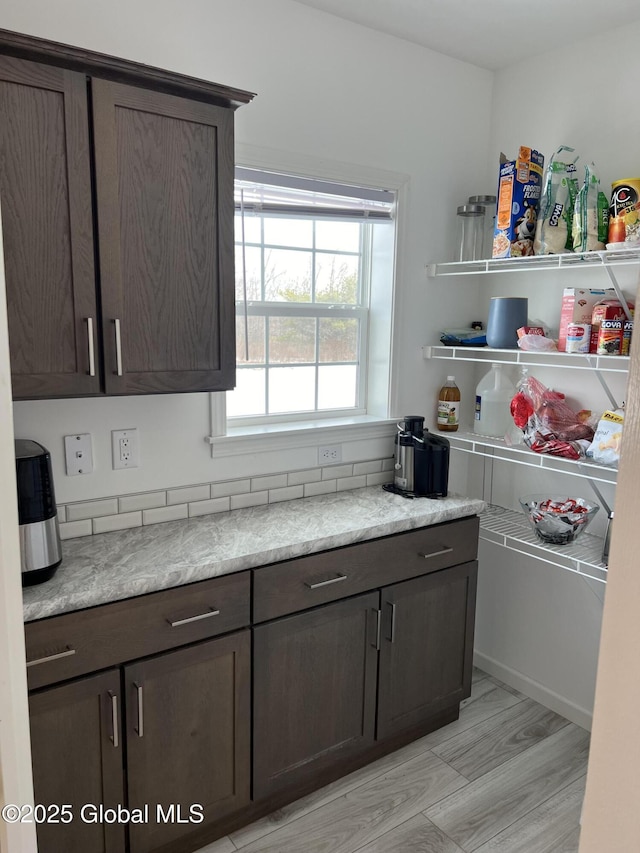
<point x="295" y="434"/>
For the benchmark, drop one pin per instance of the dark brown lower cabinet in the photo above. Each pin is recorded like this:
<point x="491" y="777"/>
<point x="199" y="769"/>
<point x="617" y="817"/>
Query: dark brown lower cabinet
<point x="186" y="734"/>
<point x="426" y="647"/>
<point x="315" y="684"/>
<point x="314" y="691"/>
<point x="188" y="738"/>
<point x="77" y="762"/>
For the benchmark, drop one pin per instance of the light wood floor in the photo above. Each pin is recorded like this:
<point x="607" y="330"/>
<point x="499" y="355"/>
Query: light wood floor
<point x="507" y="777"/>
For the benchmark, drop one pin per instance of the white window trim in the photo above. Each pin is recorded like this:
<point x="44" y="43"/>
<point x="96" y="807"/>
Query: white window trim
<point x="239" y="440"/>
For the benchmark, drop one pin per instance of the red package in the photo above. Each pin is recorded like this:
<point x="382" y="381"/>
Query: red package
<point x="548" y="422"/>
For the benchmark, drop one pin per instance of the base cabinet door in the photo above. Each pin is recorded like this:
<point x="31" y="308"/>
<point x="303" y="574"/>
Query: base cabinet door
<point x="426" y="647"/>
<point x="76" y="746"/>
<point x="314" y="691"/>
<point x="188" y="738"/>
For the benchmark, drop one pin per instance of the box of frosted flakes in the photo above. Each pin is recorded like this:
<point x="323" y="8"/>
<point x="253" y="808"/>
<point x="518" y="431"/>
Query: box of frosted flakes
<point x="519" y="189"/>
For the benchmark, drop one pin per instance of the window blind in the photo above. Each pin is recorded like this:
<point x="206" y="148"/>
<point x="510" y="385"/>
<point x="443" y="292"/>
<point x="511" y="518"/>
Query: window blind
<point x="279" y="194"/>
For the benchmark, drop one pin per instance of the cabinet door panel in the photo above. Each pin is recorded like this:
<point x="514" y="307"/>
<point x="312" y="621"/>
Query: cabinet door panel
<point x="77" y="762"/>
<point x="45" y="187"/>
<point x="188" y="731"/>
<point x="164" y="173"/>
<point x="314" y="691"/>
<point x="426" y="648"/>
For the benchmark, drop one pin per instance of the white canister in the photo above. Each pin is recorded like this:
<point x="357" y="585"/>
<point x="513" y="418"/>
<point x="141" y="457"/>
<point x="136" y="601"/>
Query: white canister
<point x="578" y="337"/>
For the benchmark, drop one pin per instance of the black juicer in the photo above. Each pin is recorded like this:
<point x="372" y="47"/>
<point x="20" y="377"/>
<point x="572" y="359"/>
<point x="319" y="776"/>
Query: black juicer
<point x="422" y="461"/>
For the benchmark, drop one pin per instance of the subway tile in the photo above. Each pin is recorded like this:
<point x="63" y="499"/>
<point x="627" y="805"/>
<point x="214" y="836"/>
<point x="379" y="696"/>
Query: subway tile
<point x="117" y="522"/>
<point x="251" y="499"/>
<point x="188" y="494"/>
<point x="380" y="479"/>
<point x="150" y="500"/>
<point x="92" y="509"/>
<point x="332" y="472"/>
<point x="345" y="483"/>
<point x="273" y="481"/>
<point x="62" y="513"/>
<point x="208" y="507"/>
<point x="289" y="493"/>
<point x="312" y="475"/>
<point x="74" y="529"/>
<point x="164" y="513"/>
<point x="367" y="467"/>
<point x="388" y="464"/>
<point x="323" y="488"/>
<point x="230" y="487"/>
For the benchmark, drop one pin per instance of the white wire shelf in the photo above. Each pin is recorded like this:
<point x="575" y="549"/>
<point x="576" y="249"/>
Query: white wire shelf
<point x="535" y="262"/>
<point x="575" y="361"/>
<point x="498" y="449"/>
<point x="512" y="530"/>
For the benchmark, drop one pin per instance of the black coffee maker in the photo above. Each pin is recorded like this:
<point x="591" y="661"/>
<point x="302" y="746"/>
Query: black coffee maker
<point x="422" y="461"/>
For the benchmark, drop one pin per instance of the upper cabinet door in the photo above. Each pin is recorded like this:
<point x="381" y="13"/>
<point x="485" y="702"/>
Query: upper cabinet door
<point x="45" y="198"/>
<point x="164" y="181"/>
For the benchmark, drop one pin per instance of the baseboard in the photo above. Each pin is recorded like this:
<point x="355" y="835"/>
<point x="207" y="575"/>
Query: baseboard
<point x="535" y="690"/>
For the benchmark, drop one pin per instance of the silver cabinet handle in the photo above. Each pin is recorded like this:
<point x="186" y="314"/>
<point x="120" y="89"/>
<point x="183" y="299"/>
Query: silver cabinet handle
<point x="378" y="614"/>
<point x="140" y="728"/>
<point x="114" y="720"/>
<point x="68" y="651"/>
<point x="118" y="347"/>
<point x="318" y="584"/>
<point x="92" y="357"/>
<point x="211" y="612"/>
<point x="392" y="630"/>
<point x="442" y="551"/>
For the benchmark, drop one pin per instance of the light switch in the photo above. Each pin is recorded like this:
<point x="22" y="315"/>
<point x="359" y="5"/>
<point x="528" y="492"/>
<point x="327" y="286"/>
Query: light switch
<point x="78" y="454"/>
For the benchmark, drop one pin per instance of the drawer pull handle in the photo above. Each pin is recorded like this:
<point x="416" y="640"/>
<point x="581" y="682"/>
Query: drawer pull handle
<point x="442" y="551"/>
<point x="392" y="630"/>
<point x="139" y="730"/>
<point x="318" y="584"/>
<point x="378" y="615"/>
<point x="92" y="356"/>
<point x="68" y="651"/>
<point x="114" y="719"/>
<point x="118" y="347"/>
<point x="211" y="612"/>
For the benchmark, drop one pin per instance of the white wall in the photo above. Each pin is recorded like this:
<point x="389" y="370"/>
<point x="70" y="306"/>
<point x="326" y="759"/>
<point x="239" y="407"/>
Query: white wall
<point x="327" y="91"/>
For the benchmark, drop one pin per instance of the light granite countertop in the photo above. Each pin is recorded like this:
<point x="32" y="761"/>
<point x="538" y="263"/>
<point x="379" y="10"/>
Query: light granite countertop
<point x="113" y="566"/>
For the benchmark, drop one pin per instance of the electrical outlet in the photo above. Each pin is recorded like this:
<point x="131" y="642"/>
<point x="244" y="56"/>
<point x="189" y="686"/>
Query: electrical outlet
<point x="330" y="453"/>
<point x="78" y="454"/>
<point x="125" y="448"/>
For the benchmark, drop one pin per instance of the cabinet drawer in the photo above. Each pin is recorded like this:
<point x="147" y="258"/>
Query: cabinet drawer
<point x="306" y="582"/>
<point x="65" y="646"/>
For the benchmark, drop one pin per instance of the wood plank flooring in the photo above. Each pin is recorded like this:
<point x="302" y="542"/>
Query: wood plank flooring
<point x="507" y="777"/>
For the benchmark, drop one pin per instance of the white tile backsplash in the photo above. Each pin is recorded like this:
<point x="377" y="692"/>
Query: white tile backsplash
<point x="124" y="511"/>
<point x="191" y="493"/>
<point x="92" y="509"/>
<point x="164" y="513"/>
<point x="209" y="507"/>
<point x="123" y="521"/>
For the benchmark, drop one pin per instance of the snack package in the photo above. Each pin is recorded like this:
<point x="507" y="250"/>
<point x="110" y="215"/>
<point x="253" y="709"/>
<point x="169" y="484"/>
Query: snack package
<point x="519" y="186"/>
<point x="605" y="447"/>
<point x="536" y="342"/>
<point x="591" y="215"/>
<point x="555" y="216"/>
<point x="548" y="422"/>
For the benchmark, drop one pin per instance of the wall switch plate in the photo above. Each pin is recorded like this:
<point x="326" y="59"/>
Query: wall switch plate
<point x="329" y="453"/>
<point x="125" y="447"/>
<point x="78" y="454"/>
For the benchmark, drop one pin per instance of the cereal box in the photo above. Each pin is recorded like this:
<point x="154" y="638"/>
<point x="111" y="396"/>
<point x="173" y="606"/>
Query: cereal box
<point x="577" y="307"/>
<point x="519" y="188"/>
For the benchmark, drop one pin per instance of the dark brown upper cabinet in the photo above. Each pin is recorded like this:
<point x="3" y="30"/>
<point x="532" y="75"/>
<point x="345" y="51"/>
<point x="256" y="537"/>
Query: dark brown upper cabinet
<point x="45" y="199"/>
<point x="116" y="187"/>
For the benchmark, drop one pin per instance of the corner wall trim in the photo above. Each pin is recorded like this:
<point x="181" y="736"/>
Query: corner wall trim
<point x="574" y="713"/>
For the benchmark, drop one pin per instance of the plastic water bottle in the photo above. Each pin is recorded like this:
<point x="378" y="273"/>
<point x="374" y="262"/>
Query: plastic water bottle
<point x="493" y="400"/>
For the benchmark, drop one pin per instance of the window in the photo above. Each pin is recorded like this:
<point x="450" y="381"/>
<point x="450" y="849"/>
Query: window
<point x="308" y="254"/>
